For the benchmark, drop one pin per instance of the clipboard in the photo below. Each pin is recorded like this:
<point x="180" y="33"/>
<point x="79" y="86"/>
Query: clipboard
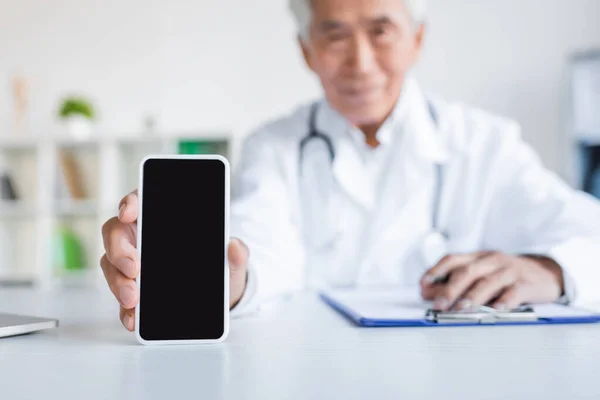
<point x="401" y="307"/>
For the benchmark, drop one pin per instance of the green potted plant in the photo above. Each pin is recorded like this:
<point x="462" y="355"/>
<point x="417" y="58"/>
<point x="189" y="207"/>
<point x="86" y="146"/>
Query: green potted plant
<point x="78" y="115"/>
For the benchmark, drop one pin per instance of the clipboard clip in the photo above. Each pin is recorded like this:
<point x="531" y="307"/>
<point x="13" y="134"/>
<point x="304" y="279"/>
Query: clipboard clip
<point x="482" y="315"/>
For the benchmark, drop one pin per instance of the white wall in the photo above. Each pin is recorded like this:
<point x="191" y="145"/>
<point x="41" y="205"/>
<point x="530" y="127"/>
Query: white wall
<point x="203" y="64"/>
<point x="511" y="57"/>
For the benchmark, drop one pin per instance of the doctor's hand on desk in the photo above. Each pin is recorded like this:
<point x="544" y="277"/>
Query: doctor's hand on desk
<point x="492" y="278"/>
<point x="121" y="263"/>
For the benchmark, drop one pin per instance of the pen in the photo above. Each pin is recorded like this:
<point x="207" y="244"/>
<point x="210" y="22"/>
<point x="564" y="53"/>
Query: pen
<point x="442" y="280"/>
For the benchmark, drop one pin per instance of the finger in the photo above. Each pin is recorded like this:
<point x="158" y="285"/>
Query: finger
<point x="238" y="255"/>
<point x="512" y="298"/>
<point x="447" y="265"/>
<point x="128" y="319"/>
<point x="462" y="278"/>
<point x="123" y="288"/>
<point x="488" y="288"/>
<point x="120" y="250"/>
<point x="431" y="292"/>
<point x="128" y="208"/>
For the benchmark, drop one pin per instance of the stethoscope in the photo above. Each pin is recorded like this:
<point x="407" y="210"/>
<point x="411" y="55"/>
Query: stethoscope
<point x="434" y="245"/>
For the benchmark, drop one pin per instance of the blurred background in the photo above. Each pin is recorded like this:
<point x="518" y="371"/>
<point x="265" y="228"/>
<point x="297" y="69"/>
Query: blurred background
<point x="88" y="88"/>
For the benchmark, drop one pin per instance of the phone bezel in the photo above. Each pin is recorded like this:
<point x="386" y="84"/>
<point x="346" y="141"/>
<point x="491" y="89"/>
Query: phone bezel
<point x="198" y="157"/>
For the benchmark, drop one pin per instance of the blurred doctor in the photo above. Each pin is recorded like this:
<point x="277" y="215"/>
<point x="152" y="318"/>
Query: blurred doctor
<point x="380" y="183"/>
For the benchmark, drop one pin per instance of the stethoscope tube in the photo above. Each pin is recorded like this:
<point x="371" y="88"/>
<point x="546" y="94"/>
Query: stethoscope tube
<point x="434" y="244"/>
<point x="313" y="133"/>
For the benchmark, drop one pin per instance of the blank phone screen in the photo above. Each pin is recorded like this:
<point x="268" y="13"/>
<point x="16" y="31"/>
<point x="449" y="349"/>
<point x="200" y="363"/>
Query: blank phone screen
<point x="182" y="249"/>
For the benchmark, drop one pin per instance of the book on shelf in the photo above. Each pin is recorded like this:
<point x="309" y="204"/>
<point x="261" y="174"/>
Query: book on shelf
<point x="7" y="187"/>
<point x="200" y="146"/>
<point x="70" y="179"/>
<point x="8" y="190"/>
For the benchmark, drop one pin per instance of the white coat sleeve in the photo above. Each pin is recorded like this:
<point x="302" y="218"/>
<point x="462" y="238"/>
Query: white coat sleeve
<point x="534" y="212"/>
<point x="261" y="216"/>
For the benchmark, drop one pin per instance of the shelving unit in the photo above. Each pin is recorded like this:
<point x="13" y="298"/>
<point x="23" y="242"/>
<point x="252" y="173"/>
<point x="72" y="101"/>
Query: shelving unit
<point x="583" y="120"/>
<point x="51" y="228"/>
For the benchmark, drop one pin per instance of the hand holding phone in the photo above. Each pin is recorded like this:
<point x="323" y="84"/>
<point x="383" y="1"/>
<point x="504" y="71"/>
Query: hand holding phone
<point x="121" y="263"/>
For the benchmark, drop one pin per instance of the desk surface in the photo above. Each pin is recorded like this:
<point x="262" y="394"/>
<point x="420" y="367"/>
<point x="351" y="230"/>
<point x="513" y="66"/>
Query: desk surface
<point x="300" y="350"/>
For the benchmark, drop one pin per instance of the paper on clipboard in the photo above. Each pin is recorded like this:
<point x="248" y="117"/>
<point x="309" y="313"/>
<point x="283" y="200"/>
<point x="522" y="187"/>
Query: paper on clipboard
<point x="398" y="303"/>
<point x="388" y="303"/>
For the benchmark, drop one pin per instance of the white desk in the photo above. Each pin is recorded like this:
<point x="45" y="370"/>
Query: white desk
<point x="300" y="350"/>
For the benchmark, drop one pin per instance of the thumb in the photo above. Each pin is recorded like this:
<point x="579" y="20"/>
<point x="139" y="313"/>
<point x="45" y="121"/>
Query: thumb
<point x="128" y="208"/>
<point x="238" y="255"/>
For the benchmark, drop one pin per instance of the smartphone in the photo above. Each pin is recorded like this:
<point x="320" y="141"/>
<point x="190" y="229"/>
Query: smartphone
<point x="182" y="238"/>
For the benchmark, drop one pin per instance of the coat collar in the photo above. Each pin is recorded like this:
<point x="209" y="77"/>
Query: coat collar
<point x="410" y="131"/>
<point x="424" y="130"/>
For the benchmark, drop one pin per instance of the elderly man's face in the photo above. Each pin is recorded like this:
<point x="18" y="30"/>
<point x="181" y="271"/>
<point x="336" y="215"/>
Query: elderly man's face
<point x="361" y="50"/>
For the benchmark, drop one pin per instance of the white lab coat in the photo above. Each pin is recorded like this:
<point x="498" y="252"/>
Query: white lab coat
<point x="496" y="196"/>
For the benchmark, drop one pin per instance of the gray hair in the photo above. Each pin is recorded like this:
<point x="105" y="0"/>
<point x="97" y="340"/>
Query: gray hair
<point x="302" y="13"/>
